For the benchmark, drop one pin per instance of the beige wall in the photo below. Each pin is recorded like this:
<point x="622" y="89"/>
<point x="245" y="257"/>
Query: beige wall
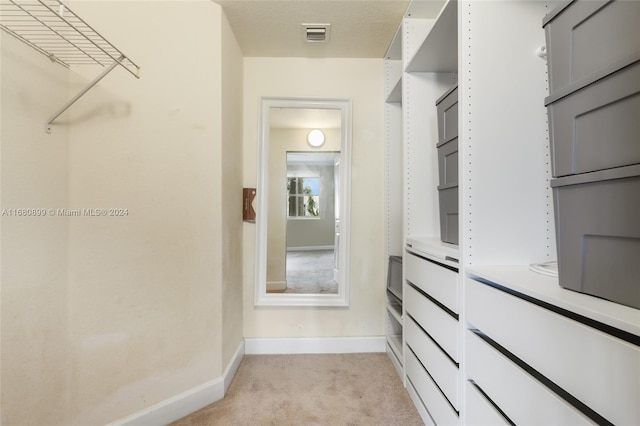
<point x="104" y="316"/>
<point x="34" y="345"/>
<point x="361" y="81"/>
<point x="119" y="313"/>
<point x="231" y="182"/>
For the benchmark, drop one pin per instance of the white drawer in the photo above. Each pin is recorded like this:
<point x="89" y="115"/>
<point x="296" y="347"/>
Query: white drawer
<point x="436" y="404"/>
<point x="442" y="370"/>
<point x="522" y="398"/>
<point x="441" y="326"/>
<point x="422" y="410"/>
<point x="437" y="281"/>
<point x="600" y="370"/>
<point x="479" y="411"/>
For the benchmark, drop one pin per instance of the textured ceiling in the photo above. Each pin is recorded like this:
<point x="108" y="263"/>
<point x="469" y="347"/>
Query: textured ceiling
<point x="272" y="28"/>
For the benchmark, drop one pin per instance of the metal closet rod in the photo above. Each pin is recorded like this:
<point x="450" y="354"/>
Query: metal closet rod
<point x="83" y="91"/>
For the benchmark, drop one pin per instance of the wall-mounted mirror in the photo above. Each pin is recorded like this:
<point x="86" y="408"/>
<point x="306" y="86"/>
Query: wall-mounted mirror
<point x="303" y="203"/>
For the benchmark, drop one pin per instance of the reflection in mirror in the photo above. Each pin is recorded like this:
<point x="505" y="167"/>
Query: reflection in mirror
<point x="311" y="223"/>
<point x="302" y="194"/>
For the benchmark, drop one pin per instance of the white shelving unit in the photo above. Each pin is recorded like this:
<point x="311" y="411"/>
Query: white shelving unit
<point x="395" y="335"/>
<point x="419" y="92"/>
<point x="438" y="51"/>
<point x="506" y="223"/>
<point x="393" y="71"/>
<point x="506" y="201"/>
<point x="393" y="196"/>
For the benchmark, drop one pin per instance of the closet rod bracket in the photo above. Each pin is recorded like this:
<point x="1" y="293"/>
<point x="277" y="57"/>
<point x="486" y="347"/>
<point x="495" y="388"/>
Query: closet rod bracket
<point x="66" y="106"/>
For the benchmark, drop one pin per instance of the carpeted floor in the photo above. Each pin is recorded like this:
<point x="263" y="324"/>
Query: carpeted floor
<point x="310" y="272"/>
<point x="322" y="389"/>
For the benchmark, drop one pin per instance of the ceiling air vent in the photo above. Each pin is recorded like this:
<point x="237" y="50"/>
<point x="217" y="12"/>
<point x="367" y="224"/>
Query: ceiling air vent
<point x="316" y="33"/>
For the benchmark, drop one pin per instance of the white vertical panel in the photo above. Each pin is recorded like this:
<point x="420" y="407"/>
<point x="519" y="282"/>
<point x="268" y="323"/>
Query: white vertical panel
<point x="506" y="201"/>
<point x="392" y="80"/>
<point x="393" y="176"/>
<point x="393" y="190"/>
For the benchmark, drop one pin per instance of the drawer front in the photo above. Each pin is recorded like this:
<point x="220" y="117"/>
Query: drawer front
<point x="439" y="408"/>
<point x="441" y="326"/>
<point x="442" y="370"/>
<point x="479" y="411"/>
<point x="597" y="368"/>
<point x="506" y="384"/>
<point x="422" y="410"/>
<point x="437" y="281"/>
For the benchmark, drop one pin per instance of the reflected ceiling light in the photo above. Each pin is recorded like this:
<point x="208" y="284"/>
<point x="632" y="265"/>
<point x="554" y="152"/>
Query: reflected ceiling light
<point x="315" y="138"/>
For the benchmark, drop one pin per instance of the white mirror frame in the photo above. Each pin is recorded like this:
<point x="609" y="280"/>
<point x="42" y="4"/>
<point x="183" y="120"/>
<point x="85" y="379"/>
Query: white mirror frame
<point x="341" y="299"/>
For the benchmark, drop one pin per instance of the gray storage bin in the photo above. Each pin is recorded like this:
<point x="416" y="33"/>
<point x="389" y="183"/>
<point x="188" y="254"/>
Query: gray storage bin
<point x="598" y="233"/>
<point x="597" y="126"/>
<point x="585" y="36"/>
<point x="447" y="111"/>
<point x="448" y="161"/>
<point x="448" y="201"/>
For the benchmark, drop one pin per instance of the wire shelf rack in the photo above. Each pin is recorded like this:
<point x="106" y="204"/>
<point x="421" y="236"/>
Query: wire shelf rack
<point x="54" y="30"/>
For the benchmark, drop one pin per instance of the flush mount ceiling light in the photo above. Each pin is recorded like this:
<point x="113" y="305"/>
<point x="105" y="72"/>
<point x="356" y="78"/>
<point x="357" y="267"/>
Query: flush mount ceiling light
<point x="315" y="138"/>
<point x="316" y="33"/>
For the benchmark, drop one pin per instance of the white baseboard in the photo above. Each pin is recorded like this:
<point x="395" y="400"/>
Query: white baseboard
<point x="187" y="402"/>
<point x="314" y="345"/>
<point x="232" y="367"/>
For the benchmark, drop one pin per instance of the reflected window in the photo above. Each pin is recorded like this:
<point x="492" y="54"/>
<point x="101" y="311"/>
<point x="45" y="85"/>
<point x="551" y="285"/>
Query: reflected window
<point x="303" y="197"/>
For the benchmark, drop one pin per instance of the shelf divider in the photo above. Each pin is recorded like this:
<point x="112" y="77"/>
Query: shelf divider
<point x="439" y="51"/>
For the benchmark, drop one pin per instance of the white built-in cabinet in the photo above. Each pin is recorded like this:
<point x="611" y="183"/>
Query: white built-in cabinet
<point x="479" y="337"/>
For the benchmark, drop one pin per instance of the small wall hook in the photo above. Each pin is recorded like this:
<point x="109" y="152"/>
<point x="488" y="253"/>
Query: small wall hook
<point x="542" y="52"/>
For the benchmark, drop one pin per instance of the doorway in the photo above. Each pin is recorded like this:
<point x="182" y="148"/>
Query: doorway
<point x="313" y="194"/>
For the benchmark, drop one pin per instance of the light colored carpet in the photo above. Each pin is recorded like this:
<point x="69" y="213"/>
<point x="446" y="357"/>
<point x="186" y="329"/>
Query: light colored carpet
<point x="310" y="272"/>
<point x="319" y="389"/>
